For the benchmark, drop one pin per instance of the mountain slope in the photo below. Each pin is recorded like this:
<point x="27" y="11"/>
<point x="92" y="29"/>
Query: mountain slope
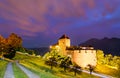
<point x="40" y="51"/>
<point x="108" y="45"/>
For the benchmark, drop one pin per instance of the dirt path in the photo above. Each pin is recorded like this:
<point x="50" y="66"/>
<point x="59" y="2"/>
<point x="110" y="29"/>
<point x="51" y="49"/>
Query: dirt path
<point x="9" y="71"/>
<point x="28" y="72"/>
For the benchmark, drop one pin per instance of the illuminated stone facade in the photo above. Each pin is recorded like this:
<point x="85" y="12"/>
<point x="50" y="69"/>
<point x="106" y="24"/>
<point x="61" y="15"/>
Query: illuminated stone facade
<point x="82" y="56"/>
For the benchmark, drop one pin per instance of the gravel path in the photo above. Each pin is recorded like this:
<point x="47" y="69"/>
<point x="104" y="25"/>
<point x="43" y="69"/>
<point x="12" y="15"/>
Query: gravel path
<point x="28" y="72"/>
<point x="9" y="71"/>
<point x="99" y="75"/>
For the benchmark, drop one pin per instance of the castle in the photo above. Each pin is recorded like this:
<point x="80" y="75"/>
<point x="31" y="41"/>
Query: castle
<point x="80" y="55"/>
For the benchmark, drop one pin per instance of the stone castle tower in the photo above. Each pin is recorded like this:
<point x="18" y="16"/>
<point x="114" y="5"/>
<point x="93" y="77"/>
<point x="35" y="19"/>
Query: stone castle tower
<point x="64" y="42"/>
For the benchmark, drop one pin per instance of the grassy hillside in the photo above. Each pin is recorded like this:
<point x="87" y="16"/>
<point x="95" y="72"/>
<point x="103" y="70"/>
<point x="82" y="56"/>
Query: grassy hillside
<point x="36" y="64"/>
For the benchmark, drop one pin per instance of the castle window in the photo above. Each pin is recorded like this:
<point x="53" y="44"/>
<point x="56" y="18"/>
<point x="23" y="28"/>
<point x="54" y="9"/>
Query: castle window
<point x="85" y="51"/>
<point x="79" y="51"/>
<point x="83" y="47"/>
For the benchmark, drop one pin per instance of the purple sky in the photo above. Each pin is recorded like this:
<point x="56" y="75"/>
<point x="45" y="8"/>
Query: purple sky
<point x="42" y="22"/>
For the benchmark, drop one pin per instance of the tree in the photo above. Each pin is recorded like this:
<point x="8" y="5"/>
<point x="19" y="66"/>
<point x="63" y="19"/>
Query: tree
<point x="11" y="53"/>
<point x="31" y="52"/>
<point x="52" y="62"/>
<point x="115" y="61"/>
<point x="14" y="40"/>
<point x="13" y="43"/>
<point x="100" y="57"/>
<point x="108" y="59"/>
<point x="2" y="44"/>
<point x="91" y="68"/>
<point x="51" y="58"/>
<point x="76" y="69"/>
<point x="65" y="63"/>
<point x="8" y="46"/>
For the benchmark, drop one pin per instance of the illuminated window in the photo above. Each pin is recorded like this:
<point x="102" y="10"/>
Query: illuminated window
<point x="83" y="47"/>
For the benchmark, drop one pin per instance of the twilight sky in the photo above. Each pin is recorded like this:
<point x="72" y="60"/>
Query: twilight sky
<point x="42" y="22"/>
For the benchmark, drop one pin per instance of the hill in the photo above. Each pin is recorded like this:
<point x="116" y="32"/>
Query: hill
<point x="40" y="51"/>
<point x="108" y="45"/>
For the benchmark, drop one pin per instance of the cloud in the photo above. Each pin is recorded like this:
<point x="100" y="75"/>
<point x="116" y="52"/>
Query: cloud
<point x="31" y="18"/>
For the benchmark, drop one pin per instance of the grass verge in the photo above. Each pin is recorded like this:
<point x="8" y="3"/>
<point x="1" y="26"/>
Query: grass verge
<point x="18" y="73"/>
<point x="38" y="66"/>
<point x="3" y="66"/>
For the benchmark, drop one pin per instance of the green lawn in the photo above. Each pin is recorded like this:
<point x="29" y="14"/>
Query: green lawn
<point x="18" y="73"/>
<point x="3" y="66"/>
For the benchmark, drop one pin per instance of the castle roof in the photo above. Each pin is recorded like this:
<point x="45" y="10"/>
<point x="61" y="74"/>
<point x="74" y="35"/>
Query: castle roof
<point x="64" y="36"/>
<point x="80" y="48"/>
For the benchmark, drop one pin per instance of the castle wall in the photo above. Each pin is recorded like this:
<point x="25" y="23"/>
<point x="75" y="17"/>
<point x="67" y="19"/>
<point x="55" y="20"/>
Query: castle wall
<point x="83" y="57"/>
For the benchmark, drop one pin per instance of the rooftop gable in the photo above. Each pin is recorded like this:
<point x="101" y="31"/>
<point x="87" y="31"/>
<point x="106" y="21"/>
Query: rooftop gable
<point x="64" y="37"/>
